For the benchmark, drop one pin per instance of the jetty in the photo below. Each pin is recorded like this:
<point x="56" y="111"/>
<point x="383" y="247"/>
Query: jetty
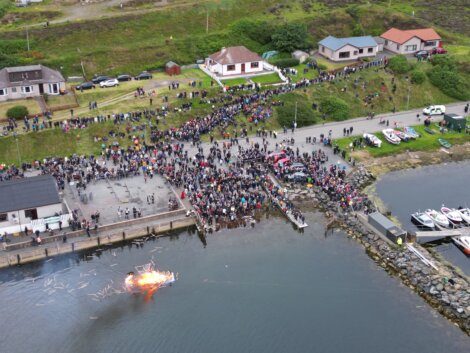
<point x="423" y="237"/>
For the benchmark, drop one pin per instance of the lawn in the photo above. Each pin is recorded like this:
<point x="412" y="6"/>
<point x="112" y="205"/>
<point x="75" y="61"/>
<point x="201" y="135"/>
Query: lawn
<point x="426" y="142"/>
<point x="234" y="81"/>
<point x="31" y="104"/>
<point x="267" y="79"/>
<point x="61" y="100"/>
<point x="310" y="74"/>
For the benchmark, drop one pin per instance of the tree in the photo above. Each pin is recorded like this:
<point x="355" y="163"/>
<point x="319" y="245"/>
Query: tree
<point x="17" y="112"/>
<point x="399" y="64"/>
<point x="289" y="37"/>
<point x="450" y="82"/>
<point x="334" y="108"/>
<point x="417" y="77"/>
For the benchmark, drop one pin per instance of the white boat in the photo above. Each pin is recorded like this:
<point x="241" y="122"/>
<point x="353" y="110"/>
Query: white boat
<point x="463" y="242"/>
<point x="401" y="135"/>
<point x="465" y="214"/>
<point x="438" y="218"/>
<point x="390" y="136"/>
<point x="452" y="214"/>
<point x="373" y="140"/>
<point x="411" y="132"/>
<point x="422" y="220"/>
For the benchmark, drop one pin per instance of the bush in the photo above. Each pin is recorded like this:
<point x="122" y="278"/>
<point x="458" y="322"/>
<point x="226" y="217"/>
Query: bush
<point x="322" y="66"/>
<point x="444" y="61"/>
<point x="417" y="77"/>
<point x="399" y="64"/>
<point x="289" y="37"/>
<point x="450" y="82"/>
<point x="287" y="62"/>
<point x="334" y="108"/>
<point x="286" y="113"/>
<point x="17" y="112"/>
<point x="258" y="31"/>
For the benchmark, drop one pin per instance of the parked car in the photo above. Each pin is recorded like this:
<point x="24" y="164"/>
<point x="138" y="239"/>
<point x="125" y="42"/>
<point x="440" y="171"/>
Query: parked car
<point x="85" y="85"/>
<point x="299" y="177"/>
<point x="438" y="51"/>
<point x="423" y="54"/>
<point x="112" y="82"/>
<point x="144" y="75"/>
<point x="434" y="110"/>
<point x="122" y="78"/>
<point x="97" y="79"/>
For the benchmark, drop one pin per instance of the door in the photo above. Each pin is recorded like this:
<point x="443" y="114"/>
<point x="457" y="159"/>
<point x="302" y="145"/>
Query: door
<point x="41" y="88"/>
<point x="243" y="68"/>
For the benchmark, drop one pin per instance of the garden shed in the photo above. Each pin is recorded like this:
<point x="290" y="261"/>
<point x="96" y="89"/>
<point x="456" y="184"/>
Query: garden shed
<point x="172" y="68"/>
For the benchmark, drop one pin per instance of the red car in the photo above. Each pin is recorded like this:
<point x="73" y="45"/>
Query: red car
<point x="438" y="51"/>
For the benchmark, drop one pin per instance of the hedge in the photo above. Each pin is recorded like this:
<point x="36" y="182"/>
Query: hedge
<point x="17" y="112"/>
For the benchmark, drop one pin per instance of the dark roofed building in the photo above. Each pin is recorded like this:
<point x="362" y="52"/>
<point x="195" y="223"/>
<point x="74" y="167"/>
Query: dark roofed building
<point x="172" y="68"/>
<point x="234" y="61"/>
<point x="29" y="81"/>
<point x="28" y="199"/>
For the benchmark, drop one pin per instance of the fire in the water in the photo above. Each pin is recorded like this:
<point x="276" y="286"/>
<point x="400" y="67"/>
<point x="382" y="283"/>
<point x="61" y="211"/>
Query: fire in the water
<point x="148" y="280"/>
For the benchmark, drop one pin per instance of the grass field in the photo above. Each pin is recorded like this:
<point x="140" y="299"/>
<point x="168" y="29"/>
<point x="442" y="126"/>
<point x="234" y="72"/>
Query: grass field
<point x="31" y="104"/>
<point x="426" y="142"/>
<point x="53" y="101"/>
<point x="267" y="79"/>
<point x="234" y="81"/>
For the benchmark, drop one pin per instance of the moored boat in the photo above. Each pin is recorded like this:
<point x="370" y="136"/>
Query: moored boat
<point x="390" y="136"/>
<point x="422" y="220"/>
<point x="444" y="143"/>
<point x="438" y="218"/>
<point x="465" y="214"/>
<point x="452" y="214"/>
<point x="463" y="242"/>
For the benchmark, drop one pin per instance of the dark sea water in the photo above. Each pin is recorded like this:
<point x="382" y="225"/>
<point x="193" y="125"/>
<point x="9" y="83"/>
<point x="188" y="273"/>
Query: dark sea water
<point x="405" y="192"/>
<point x="267" y="289"/>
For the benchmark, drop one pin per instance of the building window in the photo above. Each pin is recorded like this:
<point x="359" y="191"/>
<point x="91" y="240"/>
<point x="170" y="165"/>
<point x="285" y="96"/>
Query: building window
<point x="398" y="46"/>
<point x="386" y="42"/>
<point x="254" y="65"/>
<point x="411" y="47"/>
<point x="370" y="50"/>
<point x="355" y="52"/>
<point x="26" y="89"/>
<point x="230" y="67"/>
<point x="431" y="43"/>
<point x="344" y="54"/>
<point x="3" y="217"/>
<point x="3" y="92"/>
<point x="31" y="213"/>
<point x="322" y="49"/>
<point x="361" y="51"/>
<point x="54" y="88"/>
<point x="13" y="89"/>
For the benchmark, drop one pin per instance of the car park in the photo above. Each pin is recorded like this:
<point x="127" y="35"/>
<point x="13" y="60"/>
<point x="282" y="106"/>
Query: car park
<point x="144" y="75"/>
<point x="85" y="85"/>
<point x="434" y="110"/>
<point x="123" y="78"/>
<point x="98" y="79"/>
<point x="112" y="82"/>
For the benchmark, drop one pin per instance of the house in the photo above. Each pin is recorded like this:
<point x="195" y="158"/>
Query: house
<point x="30" y="202"/>
<point x="351" y="48"/>
<point x="300" y="55"/>
<point x="411" y="41"/>
<point x="29" y="81"/>
<point x="234" y="61"/>
<point x="172" y="68"/>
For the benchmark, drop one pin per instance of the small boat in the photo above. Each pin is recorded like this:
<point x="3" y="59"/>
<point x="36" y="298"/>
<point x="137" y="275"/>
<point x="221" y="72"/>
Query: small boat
<point x="390" y="136"/>
<point x="372" y="140"/>
<point x="422" y="220"/>
<point x="401" y="135"/>
<point x="444" y="143"/>
<point x="438" y="218"/>
<point x="463" y="242"/>
<point x="452" y="214"/>
<point x="465" y="214"/>
<point x="411" y="132"/>
<point x="429" y="130"/>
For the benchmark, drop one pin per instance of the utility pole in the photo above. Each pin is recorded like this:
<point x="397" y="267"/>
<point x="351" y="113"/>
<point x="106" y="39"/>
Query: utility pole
<point x="207" y="20"/>
<point x="408" y="98"/>
<point x="295" y="116"/>
<point x="27" y="36"/>
<point x="83" y="69"/>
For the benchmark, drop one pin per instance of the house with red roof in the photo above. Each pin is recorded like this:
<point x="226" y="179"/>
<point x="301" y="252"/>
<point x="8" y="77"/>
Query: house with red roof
<point x="234" y="61"/>
<point x="410" y="41"/>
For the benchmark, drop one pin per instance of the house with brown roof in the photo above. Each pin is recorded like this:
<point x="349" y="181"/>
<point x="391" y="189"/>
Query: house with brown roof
<point x="29" y="81"/>
<point x="410" y="41"/>
<point x="233" y="61"/>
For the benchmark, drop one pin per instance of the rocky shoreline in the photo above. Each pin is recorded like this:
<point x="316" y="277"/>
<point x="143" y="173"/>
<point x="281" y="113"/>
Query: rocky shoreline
<point x="445" y="290"/>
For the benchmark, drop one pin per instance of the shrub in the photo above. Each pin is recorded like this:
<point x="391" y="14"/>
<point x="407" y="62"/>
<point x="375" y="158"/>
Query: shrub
<point x="322" y="66"/>
<point x="450" y="82"/>
<point x="444" y="61"/>
<point x="286" y="113"/>
<point x="258" y="31"/>
<point x="417" y="77"/>
<point x="399" y="64"/>
<point x="287" y="62"/>
<point x="334" y="108"/>
<point x="289" y="37"/>
<point x="17" y="112"/>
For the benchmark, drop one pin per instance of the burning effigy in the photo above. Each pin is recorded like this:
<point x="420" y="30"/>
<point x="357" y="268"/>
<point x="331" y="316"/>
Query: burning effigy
<point x="148" y="280"/>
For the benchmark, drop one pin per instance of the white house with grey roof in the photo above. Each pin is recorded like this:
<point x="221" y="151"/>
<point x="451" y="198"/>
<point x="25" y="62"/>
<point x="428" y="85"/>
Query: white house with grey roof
<point x="29" y="81"/>
<point x="31" y="202"/>
<point x="351" y="48"/>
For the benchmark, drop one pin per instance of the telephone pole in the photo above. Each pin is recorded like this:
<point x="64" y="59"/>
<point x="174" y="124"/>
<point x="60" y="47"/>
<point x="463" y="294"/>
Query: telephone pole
<point x="207" y="21"/>
<point x="27" y="36"/>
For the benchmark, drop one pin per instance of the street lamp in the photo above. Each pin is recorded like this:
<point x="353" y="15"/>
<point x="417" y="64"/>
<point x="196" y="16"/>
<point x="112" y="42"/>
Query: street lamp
<point x="18" y="150"/>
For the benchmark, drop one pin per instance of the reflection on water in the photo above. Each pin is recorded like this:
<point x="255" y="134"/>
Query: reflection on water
<point x="408" y="191"/>
<point x="267" y="289"/>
